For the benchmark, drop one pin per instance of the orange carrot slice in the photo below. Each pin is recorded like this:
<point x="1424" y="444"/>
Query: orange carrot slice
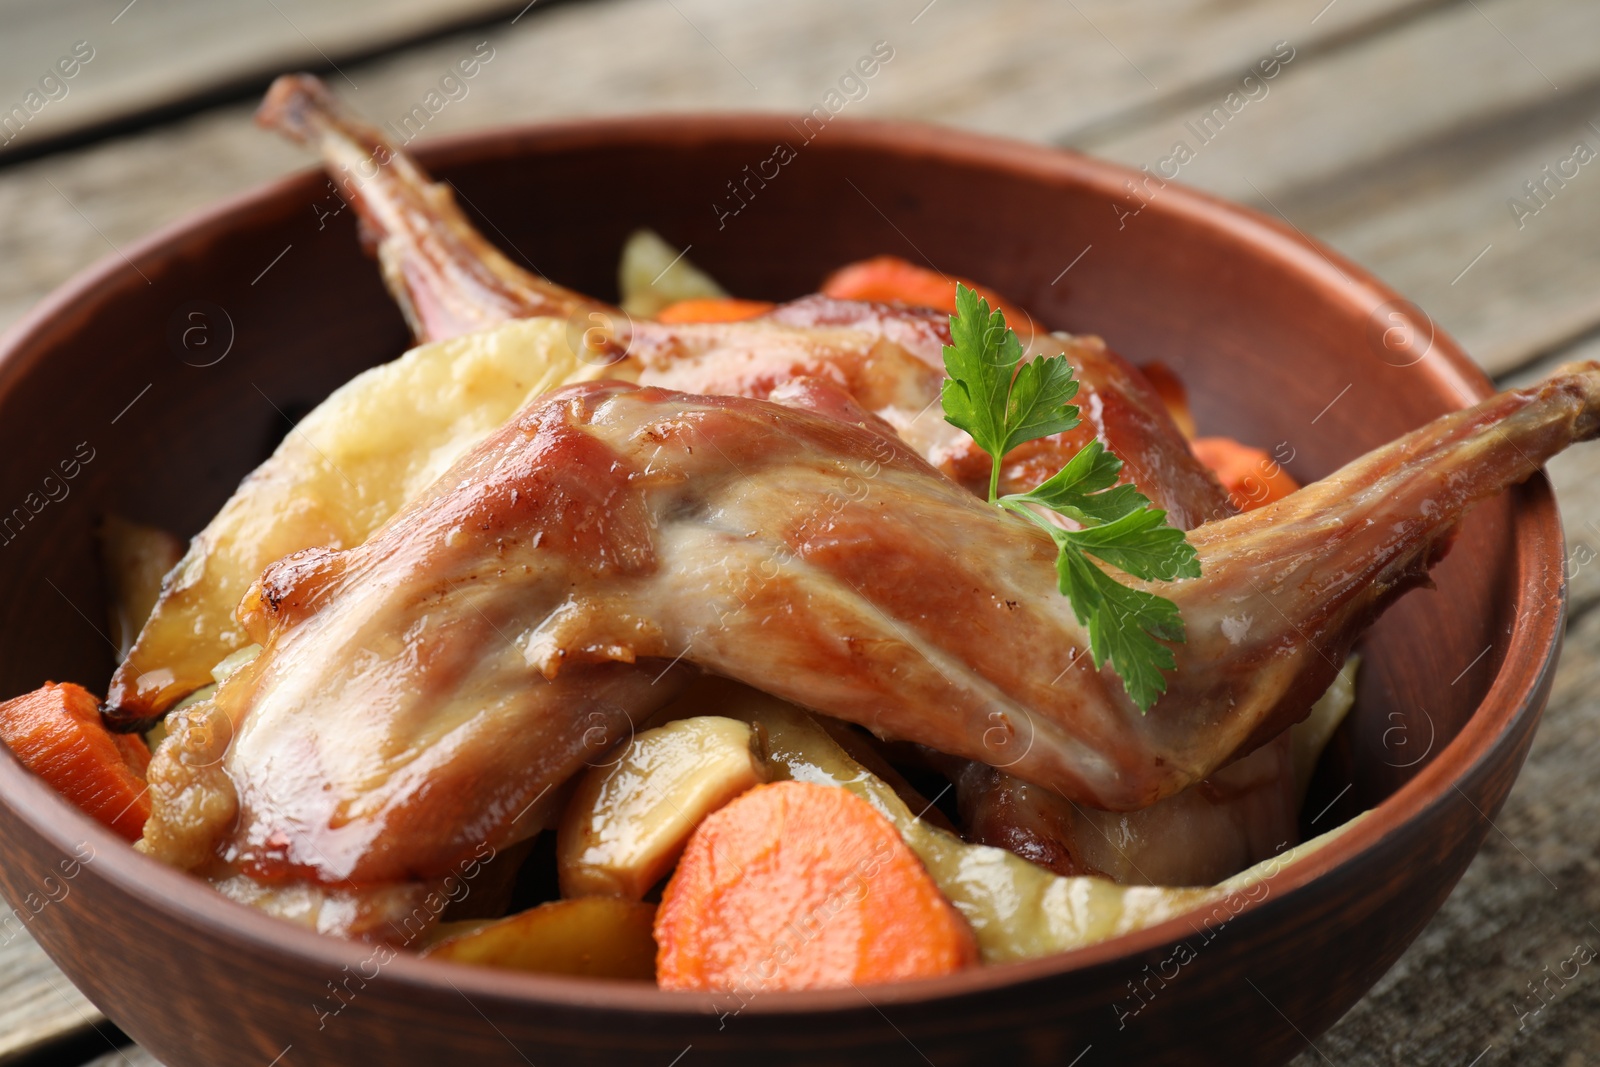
<point x="57" y="734"/>
<point x="796" y="885"/>
<point x="714" y="309"/>
<point x="1252" y="478"/>
<point x="891" y="279"/>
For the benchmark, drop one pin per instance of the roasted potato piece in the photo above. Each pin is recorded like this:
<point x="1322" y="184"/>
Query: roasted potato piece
<point x="653" y="274"/>
<point x="595" y="937"/>
<point x="1312" y="734"/>
<point x="628" y="822"/>
<point x="349" y="465"/>
<point x="135" y="558"/>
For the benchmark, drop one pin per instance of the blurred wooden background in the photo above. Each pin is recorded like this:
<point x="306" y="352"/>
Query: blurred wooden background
<point x="1451" y="146"/>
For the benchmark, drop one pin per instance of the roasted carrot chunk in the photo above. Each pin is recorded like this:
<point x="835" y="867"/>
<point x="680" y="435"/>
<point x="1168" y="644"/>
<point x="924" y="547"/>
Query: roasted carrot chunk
<point x="796" y="885"/>
<point x="1252" y="477"/>
<point x="57" y="734"/>
<point x="714" y="309"/>
<point x="891" y="279"/>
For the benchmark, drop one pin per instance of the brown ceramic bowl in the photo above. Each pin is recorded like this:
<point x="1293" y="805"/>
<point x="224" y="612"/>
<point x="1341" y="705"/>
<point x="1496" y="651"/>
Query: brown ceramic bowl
<point x="1280" y="341"/>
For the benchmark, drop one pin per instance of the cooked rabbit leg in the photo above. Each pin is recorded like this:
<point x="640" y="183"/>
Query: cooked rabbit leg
<point x="610" y="524"/>
<point x="446" y="278"/>
<point x="1123" y="412"/>
<point x="329" y="486"/>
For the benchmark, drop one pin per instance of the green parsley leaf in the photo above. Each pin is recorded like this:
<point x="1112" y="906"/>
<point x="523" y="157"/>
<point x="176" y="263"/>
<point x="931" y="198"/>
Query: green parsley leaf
<point x="1123" y="625"/>
<point x="1037" y="406"/>
<point x="986" y="394"/>
<point x="1082" y="490"/>
<point x="1002" y="406"/>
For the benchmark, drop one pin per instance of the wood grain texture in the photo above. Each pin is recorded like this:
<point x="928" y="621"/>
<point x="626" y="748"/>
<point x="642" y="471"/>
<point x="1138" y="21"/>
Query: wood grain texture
<point x="1029" y="68"/>
<point x="1528" y="901"/>
<point x="159" y="52"/>
<point x="1402" y="151"/>
<point x="37" y="1003"/>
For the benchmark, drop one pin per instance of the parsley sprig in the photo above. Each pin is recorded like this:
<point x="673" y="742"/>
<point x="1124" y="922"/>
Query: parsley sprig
<point x="1002" y="405"/>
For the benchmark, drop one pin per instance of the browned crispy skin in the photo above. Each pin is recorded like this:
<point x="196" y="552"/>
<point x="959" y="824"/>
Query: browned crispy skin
<point x="612" y="524"/>
<point x="894" y="369"/>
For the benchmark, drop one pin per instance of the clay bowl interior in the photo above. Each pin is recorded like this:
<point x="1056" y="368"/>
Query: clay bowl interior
<point x="1281" y="344"/>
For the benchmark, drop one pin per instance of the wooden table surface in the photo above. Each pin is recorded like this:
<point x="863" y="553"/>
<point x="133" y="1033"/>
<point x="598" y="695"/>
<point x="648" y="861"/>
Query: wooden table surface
<point x="1451" y="146"/>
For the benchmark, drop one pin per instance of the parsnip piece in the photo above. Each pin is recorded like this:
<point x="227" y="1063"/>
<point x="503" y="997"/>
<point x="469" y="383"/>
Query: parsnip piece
<point x="219" y="674"/>
<point x="653" y="274"/>
<point x="232" y="662"/>
<point x="596" y="937"/>
<point x="627" y="823"/>
<point x="349" y="465"/>
<point x="1016" y="909"/>
<point x="1312" y="734"/>
<point x="135" y="558"/>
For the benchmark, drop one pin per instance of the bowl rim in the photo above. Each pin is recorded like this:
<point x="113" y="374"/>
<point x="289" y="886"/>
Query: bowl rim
<point x="1529" y="659"/>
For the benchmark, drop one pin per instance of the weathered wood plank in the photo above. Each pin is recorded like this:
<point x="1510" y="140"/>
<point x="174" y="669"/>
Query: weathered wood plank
<point x="128" y="1056"/>
<point x="1026" y="67"/>
<point x="138" y="57"/>
<point x="1403" y="152"/>
<point x="37" y="1003"/>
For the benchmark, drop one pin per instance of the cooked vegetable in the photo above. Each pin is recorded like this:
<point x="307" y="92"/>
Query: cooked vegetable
<point x="653" y="274"/>
<point x="596" y="937"/>
<point x="1311" y="735"/>
<point x="219" y="674"/>
<point x="349" y="465"/>
<point x="1016" y="910"/>
<point x="628" y="822"/>
<point x="1002" y="402"/>
<point x="803" y="886"/>
<point x="55" y="731"/>
<point x="135" y="559"/>
<point x="714" y="309"/>
<point x="1251" y="476"/>
<point x="890" y="279"/>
